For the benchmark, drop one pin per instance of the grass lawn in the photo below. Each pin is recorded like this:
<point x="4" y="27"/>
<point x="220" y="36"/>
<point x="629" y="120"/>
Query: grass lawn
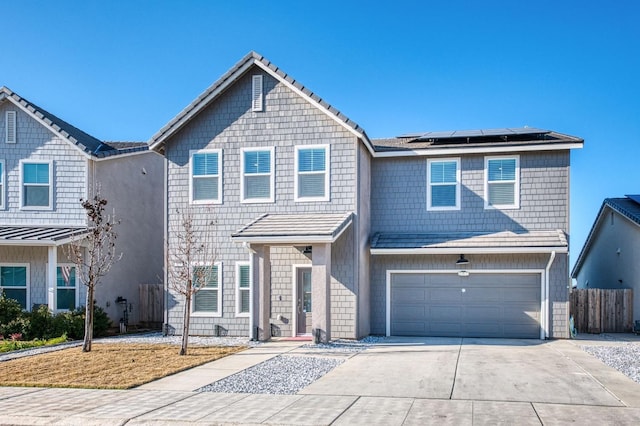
<point x="107" y="366"/>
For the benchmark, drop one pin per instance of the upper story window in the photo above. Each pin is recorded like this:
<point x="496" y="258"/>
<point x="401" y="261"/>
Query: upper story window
<point x="36" y="182"/>
<point x="2" y="184"/>
<point x="257" y="175"/>
<point x="10" y="127"/>
<point x="243" y="289"/>
<point x="502" y="182"/>
<point x="257" y="94"/>
<point x="14" y="282"/>
<point x="443" y="184"/>
<point x="312" y="173"/>
<point x="205" y="185"/>
<point x="208" y="299"/>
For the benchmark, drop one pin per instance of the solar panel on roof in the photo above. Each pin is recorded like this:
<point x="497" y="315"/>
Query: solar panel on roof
<point x="521" y="131"/>
<point x="635" y="198"/>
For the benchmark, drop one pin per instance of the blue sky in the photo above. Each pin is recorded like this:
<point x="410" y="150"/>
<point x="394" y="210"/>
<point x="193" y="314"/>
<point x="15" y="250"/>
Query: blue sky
<point x="120" y="70"/>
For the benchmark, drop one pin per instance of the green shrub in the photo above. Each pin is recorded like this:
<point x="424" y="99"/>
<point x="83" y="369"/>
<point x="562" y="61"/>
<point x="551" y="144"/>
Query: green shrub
<point x="10" y="309"/>
<point x="41" y="324"/>
<point x="18" y="325"/>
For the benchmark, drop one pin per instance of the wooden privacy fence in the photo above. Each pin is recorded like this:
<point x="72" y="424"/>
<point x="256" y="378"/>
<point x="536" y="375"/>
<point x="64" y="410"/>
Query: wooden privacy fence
<point x="151" y="305"/>
<point x="597" y="310"/>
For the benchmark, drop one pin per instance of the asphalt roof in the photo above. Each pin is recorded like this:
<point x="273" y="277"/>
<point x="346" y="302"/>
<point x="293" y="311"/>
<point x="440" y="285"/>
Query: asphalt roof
<point x="87" y="143"/>
<point x="157" y="140"/>
<point x="477" y="241"/>
<point x="294" y="228"/>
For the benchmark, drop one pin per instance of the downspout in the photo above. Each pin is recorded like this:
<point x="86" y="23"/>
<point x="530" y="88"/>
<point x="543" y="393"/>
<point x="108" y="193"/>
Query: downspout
<point x="165" y="218"/>
<point x="546" y="293"/>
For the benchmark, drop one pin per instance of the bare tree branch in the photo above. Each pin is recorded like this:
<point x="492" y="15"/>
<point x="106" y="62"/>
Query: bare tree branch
<point x="94" y="255"/>
<point x="191" y="259"/>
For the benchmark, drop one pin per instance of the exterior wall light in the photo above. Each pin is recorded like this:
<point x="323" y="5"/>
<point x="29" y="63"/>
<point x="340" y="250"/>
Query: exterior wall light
<point x="462" y="261"/>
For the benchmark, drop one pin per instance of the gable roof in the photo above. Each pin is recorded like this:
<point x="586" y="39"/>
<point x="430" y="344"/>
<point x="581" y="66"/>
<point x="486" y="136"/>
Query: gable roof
<point x="158" y="140"/>
<point x="628" y="207"/>
<point x="88" y="144"/>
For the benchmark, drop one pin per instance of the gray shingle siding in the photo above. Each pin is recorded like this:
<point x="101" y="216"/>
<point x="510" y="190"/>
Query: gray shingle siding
<point x="229" y="124"/>
<point x="34" y="142"/>
<point x="399" y="196"/>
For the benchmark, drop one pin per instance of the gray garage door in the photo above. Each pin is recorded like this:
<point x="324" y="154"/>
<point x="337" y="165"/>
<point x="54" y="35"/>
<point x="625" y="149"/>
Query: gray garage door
<point x="480" y="305"/>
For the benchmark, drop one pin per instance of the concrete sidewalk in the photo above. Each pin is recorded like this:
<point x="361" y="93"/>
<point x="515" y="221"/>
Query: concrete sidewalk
<point x="404" y="382"/>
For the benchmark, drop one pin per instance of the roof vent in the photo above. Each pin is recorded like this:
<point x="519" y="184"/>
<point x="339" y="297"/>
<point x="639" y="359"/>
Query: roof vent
<point x="10" y="127"/>
<point x="257" y="100"/>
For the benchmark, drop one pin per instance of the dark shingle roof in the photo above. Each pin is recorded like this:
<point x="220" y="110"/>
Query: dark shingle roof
<point x="157" y="140"/>
<point x="477" y="241"/>
<point x="294" y="227"/>
<point x="83" y="140"/>
<point x="628" y="207"/>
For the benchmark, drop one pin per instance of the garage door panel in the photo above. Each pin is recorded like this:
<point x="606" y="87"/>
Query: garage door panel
<point x="409" y="295"/>
<point x="444" y="295"/>
<point x="412" y="313"/>
<point x="491" y="305"/>
<point x="445" y="313"/>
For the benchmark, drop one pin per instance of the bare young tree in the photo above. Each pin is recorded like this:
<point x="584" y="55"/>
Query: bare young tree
<point x="191" y="258"/>
<point x="94" y="255"/>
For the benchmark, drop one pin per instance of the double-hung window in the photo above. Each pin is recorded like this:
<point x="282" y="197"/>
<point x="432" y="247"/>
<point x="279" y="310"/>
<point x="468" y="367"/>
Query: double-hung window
<point x="243" y="289"/>
<point x="502" y="182"/>
<point x="36" y="181"/>
<point x="206" y="177"/>
<point x="312" y="173"/>
<point x="66" y="287"/>
<point x="207" y="301"/>
<point x="257" y="175"/>
<point x="2" y="184"/>
<point x="443" y="186"/>
<point x="14" y="282"/>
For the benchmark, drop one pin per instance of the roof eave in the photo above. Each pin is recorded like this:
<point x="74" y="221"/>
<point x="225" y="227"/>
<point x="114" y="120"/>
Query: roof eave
<point x="469" y="250"/>
<point x="477" y="150"/>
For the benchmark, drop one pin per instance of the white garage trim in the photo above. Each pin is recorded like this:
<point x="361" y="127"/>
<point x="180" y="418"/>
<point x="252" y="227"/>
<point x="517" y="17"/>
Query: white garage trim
<point x="544" y="300"/>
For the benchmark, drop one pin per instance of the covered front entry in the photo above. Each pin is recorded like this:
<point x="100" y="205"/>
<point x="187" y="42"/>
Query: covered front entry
<point x="318" y="233"/>
<point x="475" y="305"/>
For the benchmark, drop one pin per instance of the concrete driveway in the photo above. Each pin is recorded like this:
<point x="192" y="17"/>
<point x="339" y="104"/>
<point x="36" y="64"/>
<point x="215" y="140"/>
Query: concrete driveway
<point x="478" y="369"/>
<point x="411" y="381"/>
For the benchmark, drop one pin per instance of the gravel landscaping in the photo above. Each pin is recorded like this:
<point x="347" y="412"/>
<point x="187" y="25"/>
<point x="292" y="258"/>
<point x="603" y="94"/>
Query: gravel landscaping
<point x="624" y="358"/>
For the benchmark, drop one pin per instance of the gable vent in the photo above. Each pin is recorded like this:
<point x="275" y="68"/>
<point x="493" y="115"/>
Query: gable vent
<point x="256" y="94"/>
<point x="11" y="127"/>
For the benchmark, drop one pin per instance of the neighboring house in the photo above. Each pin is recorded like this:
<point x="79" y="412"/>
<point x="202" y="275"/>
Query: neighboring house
<point x="46" y="167"/>
<point x="322" y="230"/>
<point x="610" y="257"/>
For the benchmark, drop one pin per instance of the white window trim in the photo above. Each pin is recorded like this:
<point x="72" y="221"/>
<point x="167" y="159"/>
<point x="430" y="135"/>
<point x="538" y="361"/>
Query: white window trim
<point x="429" y="184"/>
<point x="22" y="206"/>
<point x="516" y="182"/>
<point x="272" y="180"/>
<point x="11" y="116"/>
<point x="76" y="284"/>
<point x="238" y="290"/>
<point x="3" y="184"/>
<point x="327" y="174"/>
<point x="217" y="314"/>
<point x="28" y="283"/>
<point x="220" y="163"/>
<point x="257" y="93"/>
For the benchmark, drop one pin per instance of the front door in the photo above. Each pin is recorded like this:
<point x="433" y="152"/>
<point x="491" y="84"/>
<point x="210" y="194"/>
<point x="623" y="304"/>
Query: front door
<point x="303" y="295"/>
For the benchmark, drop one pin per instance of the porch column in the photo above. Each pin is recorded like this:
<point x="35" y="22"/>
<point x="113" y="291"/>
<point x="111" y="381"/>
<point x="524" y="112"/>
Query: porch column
<point x="321" y="292"/>
<point x="52" y="263"/>
<point x="261" y="308"/>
